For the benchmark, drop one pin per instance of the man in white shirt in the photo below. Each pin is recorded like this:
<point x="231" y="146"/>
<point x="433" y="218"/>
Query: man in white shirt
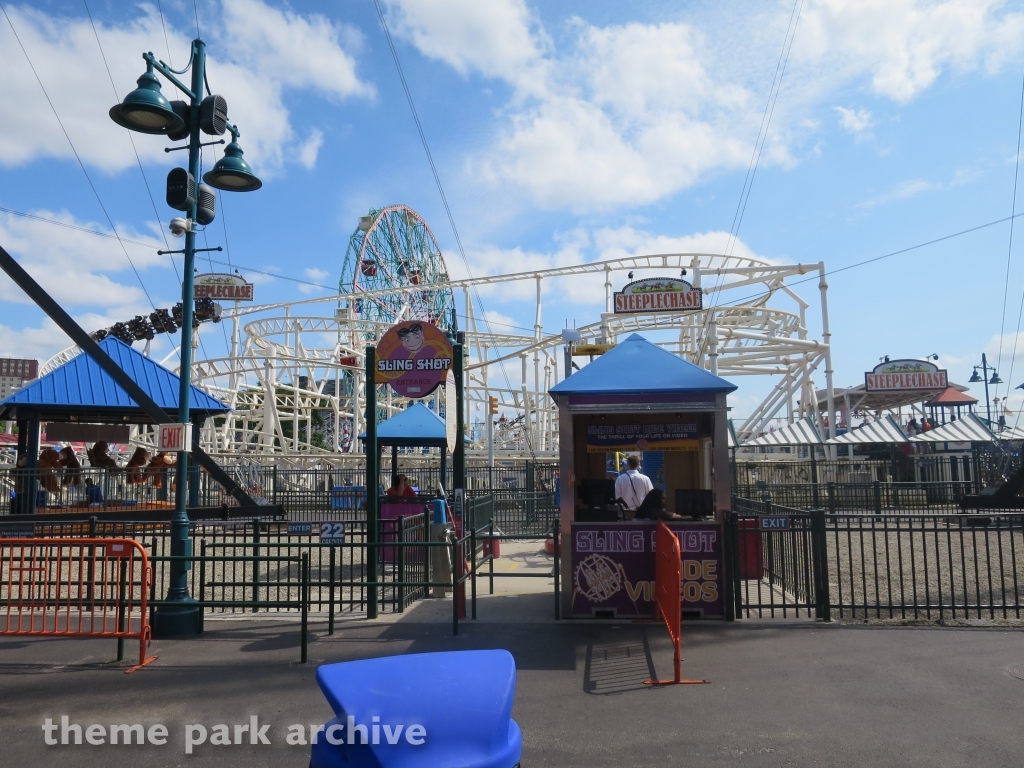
<point x="631" y="486"/>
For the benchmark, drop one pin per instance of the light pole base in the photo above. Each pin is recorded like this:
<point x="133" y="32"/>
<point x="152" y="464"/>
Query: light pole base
<point x="177" y="620"/>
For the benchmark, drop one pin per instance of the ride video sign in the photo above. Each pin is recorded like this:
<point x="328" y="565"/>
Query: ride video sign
<point x="613" y="568"/>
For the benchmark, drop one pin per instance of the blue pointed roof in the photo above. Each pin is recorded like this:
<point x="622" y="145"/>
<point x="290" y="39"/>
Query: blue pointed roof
<point x="83" y="390"/>
<point x="416" y="425"/>
<point x="636" y="366"/>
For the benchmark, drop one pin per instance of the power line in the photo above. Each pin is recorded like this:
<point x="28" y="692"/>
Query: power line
<point x="77" y="157"/>
<point x="1009" y="250"/>
<point x="131" y="138"/>
<point x="440" y="187"/>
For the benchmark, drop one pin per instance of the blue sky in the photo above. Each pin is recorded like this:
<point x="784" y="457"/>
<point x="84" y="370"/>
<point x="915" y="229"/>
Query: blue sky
<point x="563" y="132"/>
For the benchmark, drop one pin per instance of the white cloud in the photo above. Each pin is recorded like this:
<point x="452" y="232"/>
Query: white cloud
<point x="629" y="114"/>
<point x="855" y="121"/>
<point x="256" y="54"/>
<point x="317" y="276"/>
<point x="310" y="149"/>
<point x="902" y="191"/>
<point x="80" y="270"/>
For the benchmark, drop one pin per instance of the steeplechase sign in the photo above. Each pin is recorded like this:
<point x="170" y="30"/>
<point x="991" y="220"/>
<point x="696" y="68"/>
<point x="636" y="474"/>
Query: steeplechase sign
<point x="897" y="375"/>
<point x="658" y="294"/>
<point x="222" y="286"/>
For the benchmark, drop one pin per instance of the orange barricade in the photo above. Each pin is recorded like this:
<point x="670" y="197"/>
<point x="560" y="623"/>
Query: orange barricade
<point x="668" y="600"/>
<point x="76" y="588"/>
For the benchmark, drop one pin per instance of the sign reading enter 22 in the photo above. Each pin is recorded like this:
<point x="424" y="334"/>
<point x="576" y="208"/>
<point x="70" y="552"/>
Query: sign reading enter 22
<point x="414" y="357"/>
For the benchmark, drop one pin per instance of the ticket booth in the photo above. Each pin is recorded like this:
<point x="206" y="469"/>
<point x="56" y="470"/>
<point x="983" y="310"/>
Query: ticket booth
<point x="638" y="399"/>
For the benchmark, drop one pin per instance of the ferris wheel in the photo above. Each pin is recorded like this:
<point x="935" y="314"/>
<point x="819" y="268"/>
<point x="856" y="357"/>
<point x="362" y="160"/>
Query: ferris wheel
<point x="392" y="248"/>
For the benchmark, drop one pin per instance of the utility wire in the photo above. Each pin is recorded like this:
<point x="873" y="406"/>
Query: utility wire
<point x="81" y="165"/>
<point x="131" y="138"/>
<point x="440" y="188"/>
<point x="755" y="157"/>
<point x="1009" y="251"/>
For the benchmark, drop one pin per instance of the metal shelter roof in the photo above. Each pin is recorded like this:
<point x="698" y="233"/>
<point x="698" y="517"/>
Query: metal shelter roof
<point x="80" y="390"/>
<point x="951" y="396"/>
<point x="884" y="431"/>
<point x="637" y="366"/>
<point x="968" y="429"/>
<point x="1012" y="433"/>
<point x="416" y="425"/>
<point x="803" y="432"/>
<point x="860" y="398"/>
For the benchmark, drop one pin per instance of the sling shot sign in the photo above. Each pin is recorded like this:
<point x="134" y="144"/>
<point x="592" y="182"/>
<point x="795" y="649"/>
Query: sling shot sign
<point x="895" y="375"/>
<point x="658" y="294"/>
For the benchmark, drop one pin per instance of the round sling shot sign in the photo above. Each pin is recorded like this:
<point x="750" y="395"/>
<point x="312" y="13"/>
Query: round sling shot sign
<point x="414" y="357"/>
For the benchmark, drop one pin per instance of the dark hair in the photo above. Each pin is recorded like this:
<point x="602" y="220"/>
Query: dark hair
<point x="633" y="462"/>
<point x="653" y="505"/>
<point x="414" y="328"/>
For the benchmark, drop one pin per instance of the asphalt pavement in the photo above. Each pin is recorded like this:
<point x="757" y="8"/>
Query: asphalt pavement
<point x="781" y="693"/>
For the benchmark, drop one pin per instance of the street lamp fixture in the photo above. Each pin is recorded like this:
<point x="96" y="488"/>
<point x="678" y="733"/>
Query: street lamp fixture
<point x="975" y="378"/>
<point x="146" y="109"/>
<point x="232" y="173"/>
<point x="995" y="379"/>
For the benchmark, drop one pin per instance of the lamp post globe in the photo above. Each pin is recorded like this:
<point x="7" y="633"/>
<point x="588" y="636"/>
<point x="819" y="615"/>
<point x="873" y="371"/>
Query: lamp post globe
<point x="232" y="173"/>
<point x="146" y="109"/>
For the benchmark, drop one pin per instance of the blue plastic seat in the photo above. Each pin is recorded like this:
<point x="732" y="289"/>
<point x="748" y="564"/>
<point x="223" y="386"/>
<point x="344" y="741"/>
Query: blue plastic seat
<point x="462" y="700"/>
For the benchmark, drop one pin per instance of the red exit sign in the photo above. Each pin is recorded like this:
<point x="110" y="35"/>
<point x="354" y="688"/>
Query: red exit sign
<point x="174" y="437"/>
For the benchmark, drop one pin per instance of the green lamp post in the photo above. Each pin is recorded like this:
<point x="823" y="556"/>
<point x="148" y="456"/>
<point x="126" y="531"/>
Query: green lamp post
<point x="147" y="110"/>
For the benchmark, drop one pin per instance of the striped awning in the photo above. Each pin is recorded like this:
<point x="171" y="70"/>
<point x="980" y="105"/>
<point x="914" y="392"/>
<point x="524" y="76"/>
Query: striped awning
<point x="1015" y="433"/>
<point x="803" y="432"/>
<point x="968" y="429"/>
<point x="885" y="430"/>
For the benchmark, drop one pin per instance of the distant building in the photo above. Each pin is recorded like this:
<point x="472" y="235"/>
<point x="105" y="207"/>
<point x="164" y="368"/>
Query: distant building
<point x="15" y="373"/>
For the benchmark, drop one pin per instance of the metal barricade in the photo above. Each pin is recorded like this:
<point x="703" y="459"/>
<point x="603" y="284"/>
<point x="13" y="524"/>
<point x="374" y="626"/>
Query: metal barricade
<point x="76" y="587"/>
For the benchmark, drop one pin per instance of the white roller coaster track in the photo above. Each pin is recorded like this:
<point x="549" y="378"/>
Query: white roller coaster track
<point x="283" y="366"/>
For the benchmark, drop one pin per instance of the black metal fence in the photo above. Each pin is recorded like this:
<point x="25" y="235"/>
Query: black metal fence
<point x="877" y="497"/>
<point x="875" y="566"/>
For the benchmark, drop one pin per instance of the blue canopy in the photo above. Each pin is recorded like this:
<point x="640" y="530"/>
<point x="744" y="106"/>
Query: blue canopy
<point x="80" y="390"/>
<point x="416" y="425"/>
<point x="636" y="366"/>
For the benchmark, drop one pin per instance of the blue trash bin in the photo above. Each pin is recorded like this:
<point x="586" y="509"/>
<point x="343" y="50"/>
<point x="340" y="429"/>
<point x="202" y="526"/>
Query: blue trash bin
<point x="473" y="727"/>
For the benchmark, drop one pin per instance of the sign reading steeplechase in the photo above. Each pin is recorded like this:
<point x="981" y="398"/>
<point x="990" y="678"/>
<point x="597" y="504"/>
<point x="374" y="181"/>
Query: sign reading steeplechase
<point x="658" y="294"/>
<point x="896" y="375"/>
<point x="414" y="357"/>
<point x="220" y="285"/>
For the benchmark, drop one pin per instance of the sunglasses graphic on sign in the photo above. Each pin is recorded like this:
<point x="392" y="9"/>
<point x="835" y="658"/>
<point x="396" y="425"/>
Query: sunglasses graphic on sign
<point x="413" y="357"/>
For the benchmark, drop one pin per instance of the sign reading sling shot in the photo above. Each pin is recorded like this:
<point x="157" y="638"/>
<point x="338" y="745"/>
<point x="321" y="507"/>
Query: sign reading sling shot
<point x="658" y="294"/>
<point x="414" y="357"/>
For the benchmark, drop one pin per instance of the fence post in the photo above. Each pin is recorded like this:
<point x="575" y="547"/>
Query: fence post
<point x="330" y="597"/>
<point x="304" y="594"/>
<point x="878" y="497"/>
<point x="456" y="573"/>
<point x="490" y="560"/>
<point x="730" y="571"/>
<point x="202" y="583"/>
<point x="123" y="576"/>
<point x="819" y="539"/>
<point x="256" y="563"/>
<point x="832" y="498"/>
<point x="273" y="485"/>
<point x="558" y="586"/>
<point x="472" y="567"/>
<point x="401" y="565"/>
<point x="92" y="562"/>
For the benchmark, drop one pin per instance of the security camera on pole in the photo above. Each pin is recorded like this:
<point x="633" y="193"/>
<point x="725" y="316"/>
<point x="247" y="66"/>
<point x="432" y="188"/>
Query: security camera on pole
<point x="147" y="110"/>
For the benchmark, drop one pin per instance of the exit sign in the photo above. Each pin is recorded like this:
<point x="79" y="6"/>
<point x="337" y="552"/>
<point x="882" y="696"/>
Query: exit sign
<point x="774" y="523"/>
<point x="174" y="437"/>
